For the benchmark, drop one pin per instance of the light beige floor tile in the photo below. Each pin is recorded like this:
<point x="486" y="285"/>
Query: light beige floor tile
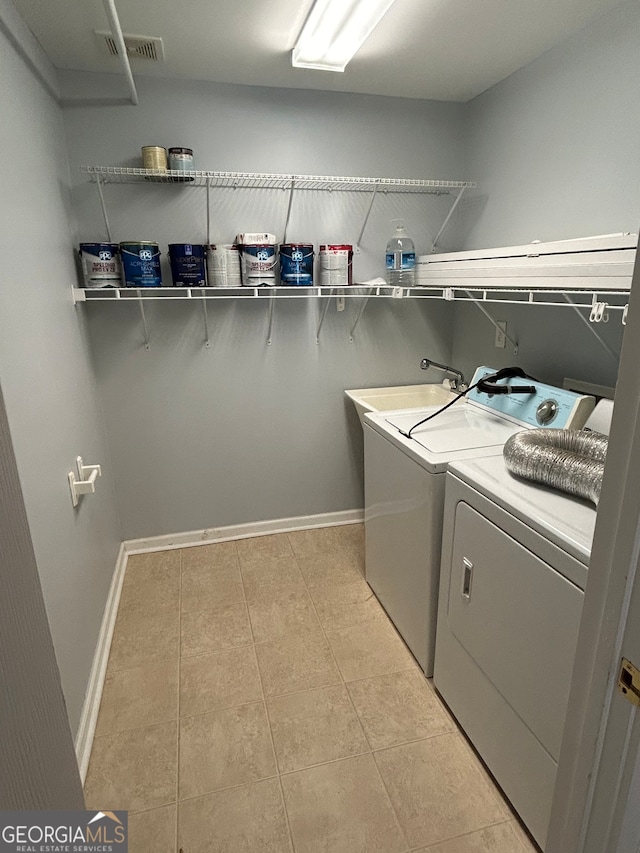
<point x="153" y="831"/>
<point x="151" y="585"/>
<point x="271" y="580"/>
<point x="220" y="680"/>
<point x="248" y="819"/>
<point x="207" y="631"/>
<point x="345" y="605"/>
<point x="493" y="839"/>
<point x="323" y="558"/>
<point x="138" y="697"/>
<point x="398" y="707"/>
<point x="263" y="551"/>
<point x="437" y="790"/>
<point x="218" y="555"/>
<point x="314" y="727"/>
<point x="138" y="640"/>
<point x="292" y="664"/>
<point x="210" y="587"/>
<point x="134" y="770"/>
<point x="341" y="808"/>
<point x="371" y="648"/>
<point x="224" y="748"/>
<point x="289" y="613"/>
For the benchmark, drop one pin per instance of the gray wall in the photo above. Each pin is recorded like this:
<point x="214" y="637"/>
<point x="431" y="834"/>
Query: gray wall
<point x="555" y="149"/>
<point x="49" y="390"/>
<point x="244" y="431"/>
<point x="37" y="761"/>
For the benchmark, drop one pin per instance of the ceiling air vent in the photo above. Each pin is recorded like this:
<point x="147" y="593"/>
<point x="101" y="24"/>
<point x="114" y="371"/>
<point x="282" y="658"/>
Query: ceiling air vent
<point x="138" y="47"/>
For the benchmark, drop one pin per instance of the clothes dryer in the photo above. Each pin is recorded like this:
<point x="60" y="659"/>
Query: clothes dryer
<point x="515" y="557"/>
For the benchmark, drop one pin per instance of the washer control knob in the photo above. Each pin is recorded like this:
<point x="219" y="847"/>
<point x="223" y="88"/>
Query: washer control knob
<point x="546" y="412"/>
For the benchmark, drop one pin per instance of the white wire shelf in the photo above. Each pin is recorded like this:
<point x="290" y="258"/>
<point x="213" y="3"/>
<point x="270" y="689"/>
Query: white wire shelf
<point x="580" y="297"/>
<point x="266" y="180"/>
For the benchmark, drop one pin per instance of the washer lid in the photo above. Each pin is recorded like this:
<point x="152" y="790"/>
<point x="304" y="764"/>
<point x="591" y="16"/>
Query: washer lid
<point x="465" y="428"/>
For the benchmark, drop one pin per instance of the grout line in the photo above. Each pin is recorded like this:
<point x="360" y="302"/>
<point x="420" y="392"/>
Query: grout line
<point x="229" y="788"/>
<point x="266" y="710"/>
<point x="464" y="835"/>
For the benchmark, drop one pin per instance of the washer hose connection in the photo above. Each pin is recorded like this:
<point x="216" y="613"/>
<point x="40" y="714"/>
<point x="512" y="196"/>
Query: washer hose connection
<point x="568" y="460"/>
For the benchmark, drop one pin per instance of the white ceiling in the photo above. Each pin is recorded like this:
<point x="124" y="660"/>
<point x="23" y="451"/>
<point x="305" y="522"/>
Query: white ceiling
<point x="448" y="50"/>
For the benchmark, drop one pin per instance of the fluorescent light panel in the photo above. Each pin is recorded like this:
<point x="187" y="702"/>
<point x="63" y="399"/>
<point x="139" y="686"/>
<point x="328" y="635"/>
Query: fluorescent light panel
<point x="335" y="30"/>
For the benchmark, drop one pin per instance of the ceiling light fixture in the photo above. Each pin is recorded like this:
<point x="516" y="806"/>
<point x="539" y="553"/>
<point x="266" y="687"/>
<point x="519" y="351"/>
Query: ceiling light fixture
<point x="335" y="30"/>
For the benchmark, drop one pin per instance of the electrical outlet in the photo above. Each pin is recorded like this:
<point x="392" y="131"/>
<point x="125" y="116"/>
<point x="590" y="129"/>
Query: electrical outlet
<point x="501" y="338"/>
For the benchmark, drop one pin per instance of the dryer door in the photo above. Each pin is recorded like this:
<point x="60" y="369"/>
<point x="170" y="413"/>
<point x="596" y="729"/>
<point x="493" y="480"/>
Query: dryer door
<point x="517" y="618"/>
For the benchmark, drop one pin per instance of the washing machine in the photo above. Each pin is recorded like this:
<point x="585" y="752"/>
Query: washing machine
<point x="405" y="485"/>
<point x="515" y="557"/>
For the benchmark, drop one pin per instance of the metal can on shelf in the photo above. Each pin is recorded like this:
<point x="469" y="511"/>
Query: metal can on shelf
<point x="181" y="159"/>
<point x="336" y="264"/>
<point x="100" y="264"/>
<point x="258" y="265"/>
<point x="187" y="264"/>
<point x="154" y="157"/>
<point x="223" y="265"/>
<point x="296" y="264"/>
<point x="141" y="264"/>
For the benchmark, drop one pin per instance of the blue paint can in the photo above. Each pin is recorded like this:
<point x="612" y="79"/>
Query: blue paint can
<point x="296" y="264"/>
<point x="141" y="264"/>
<point x="101" y="264"/>
<point x="187" y="264"/>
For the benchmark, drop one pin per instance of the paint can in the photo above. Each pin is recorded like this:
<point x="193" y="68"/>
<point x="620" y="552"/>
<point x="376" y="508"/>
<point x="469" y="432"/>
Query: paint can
<point x="223" y="265"/>
<point x="141" y="264"/>
<point x="181" y="159"/>
<point x="336" y="265"/>
<point x="258" y="265"/>
<point x="154" y="157"/>
<point x="187" y="264"/>
<point x="296" y="264"/>
<point x="101" y="264"/>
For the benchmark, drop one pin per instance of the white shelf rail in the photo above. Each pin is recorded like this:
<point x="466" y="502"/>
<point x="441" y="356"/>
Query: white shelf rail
<point x="597" y="304"/>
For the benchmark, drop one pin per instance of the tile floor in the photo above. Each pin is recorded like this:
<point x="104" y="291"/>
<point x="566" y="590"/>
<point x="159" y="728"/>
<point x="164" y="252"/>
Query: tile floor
<point x="258" y="699"/>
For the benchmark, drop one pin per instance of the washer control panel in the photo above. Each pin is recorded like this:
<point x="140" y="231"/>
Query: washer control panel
<point x="547" y="407"/>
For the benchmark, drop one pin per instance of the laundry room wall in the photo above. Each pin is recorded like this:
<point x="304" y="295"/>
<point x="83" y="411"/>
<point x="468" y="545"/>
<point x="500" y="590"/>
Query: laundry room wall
<point x="45" y="370"/>
<point x="554" y="149"/>
<point x="245" y="431"/>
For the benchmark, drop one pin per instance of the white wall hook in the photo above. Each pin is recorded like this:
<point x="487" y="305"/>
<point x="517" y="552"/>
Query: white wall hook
<point x="85" y="481"/>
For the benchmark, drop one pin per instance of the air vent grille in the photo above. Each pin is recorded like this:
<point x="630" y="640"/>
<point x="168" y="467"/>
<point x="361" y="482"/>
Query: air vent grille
<point x="138" y="47"/>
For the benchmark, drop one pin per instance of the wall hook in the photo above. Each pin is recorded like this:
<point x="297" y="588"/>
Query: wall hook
<point x="85" y="482"/>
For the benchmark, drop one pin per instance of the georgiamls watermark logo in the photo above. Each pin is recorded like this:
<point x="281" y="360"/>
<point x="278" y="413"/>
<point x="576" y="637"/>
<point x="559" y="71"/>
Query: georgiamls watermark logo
<point x="63" y="832"/>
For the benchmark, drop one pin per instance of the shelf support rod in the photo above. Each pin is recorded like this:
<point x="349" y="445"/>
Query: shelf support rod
<point x="289" y="206"/>
<point x="208" y="213"/>
<point x="144" y="321"/>
<point x="116" y="32"/>
<point x="205" y="317"/>
<point x="360" y="313"/>
<point x="104" y="209"/>
<point x="323" y="315"/>
<point x="446" y="221"/>
<point x="513" y="343"/>
<point x="272" y="302"/>
<point x="366" y="217"/>
<point x="589" y="326"/>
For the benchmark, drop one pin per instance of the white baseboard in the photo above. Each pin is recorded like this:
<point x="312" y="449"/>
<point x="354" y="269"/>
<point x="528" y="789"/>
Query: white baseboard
<point x="241" y="531"/>
<point x="89" y="718"/>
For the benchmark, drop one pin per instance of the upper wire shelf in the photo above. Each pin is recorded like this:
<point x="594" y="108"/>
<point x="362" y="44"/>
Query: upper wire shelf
<point x="266" y="180"/>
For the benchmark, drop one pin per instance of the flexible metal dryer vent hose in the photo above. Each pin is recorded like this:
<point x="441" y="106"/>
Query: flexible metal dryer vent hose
<point x="564" y="459"/>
